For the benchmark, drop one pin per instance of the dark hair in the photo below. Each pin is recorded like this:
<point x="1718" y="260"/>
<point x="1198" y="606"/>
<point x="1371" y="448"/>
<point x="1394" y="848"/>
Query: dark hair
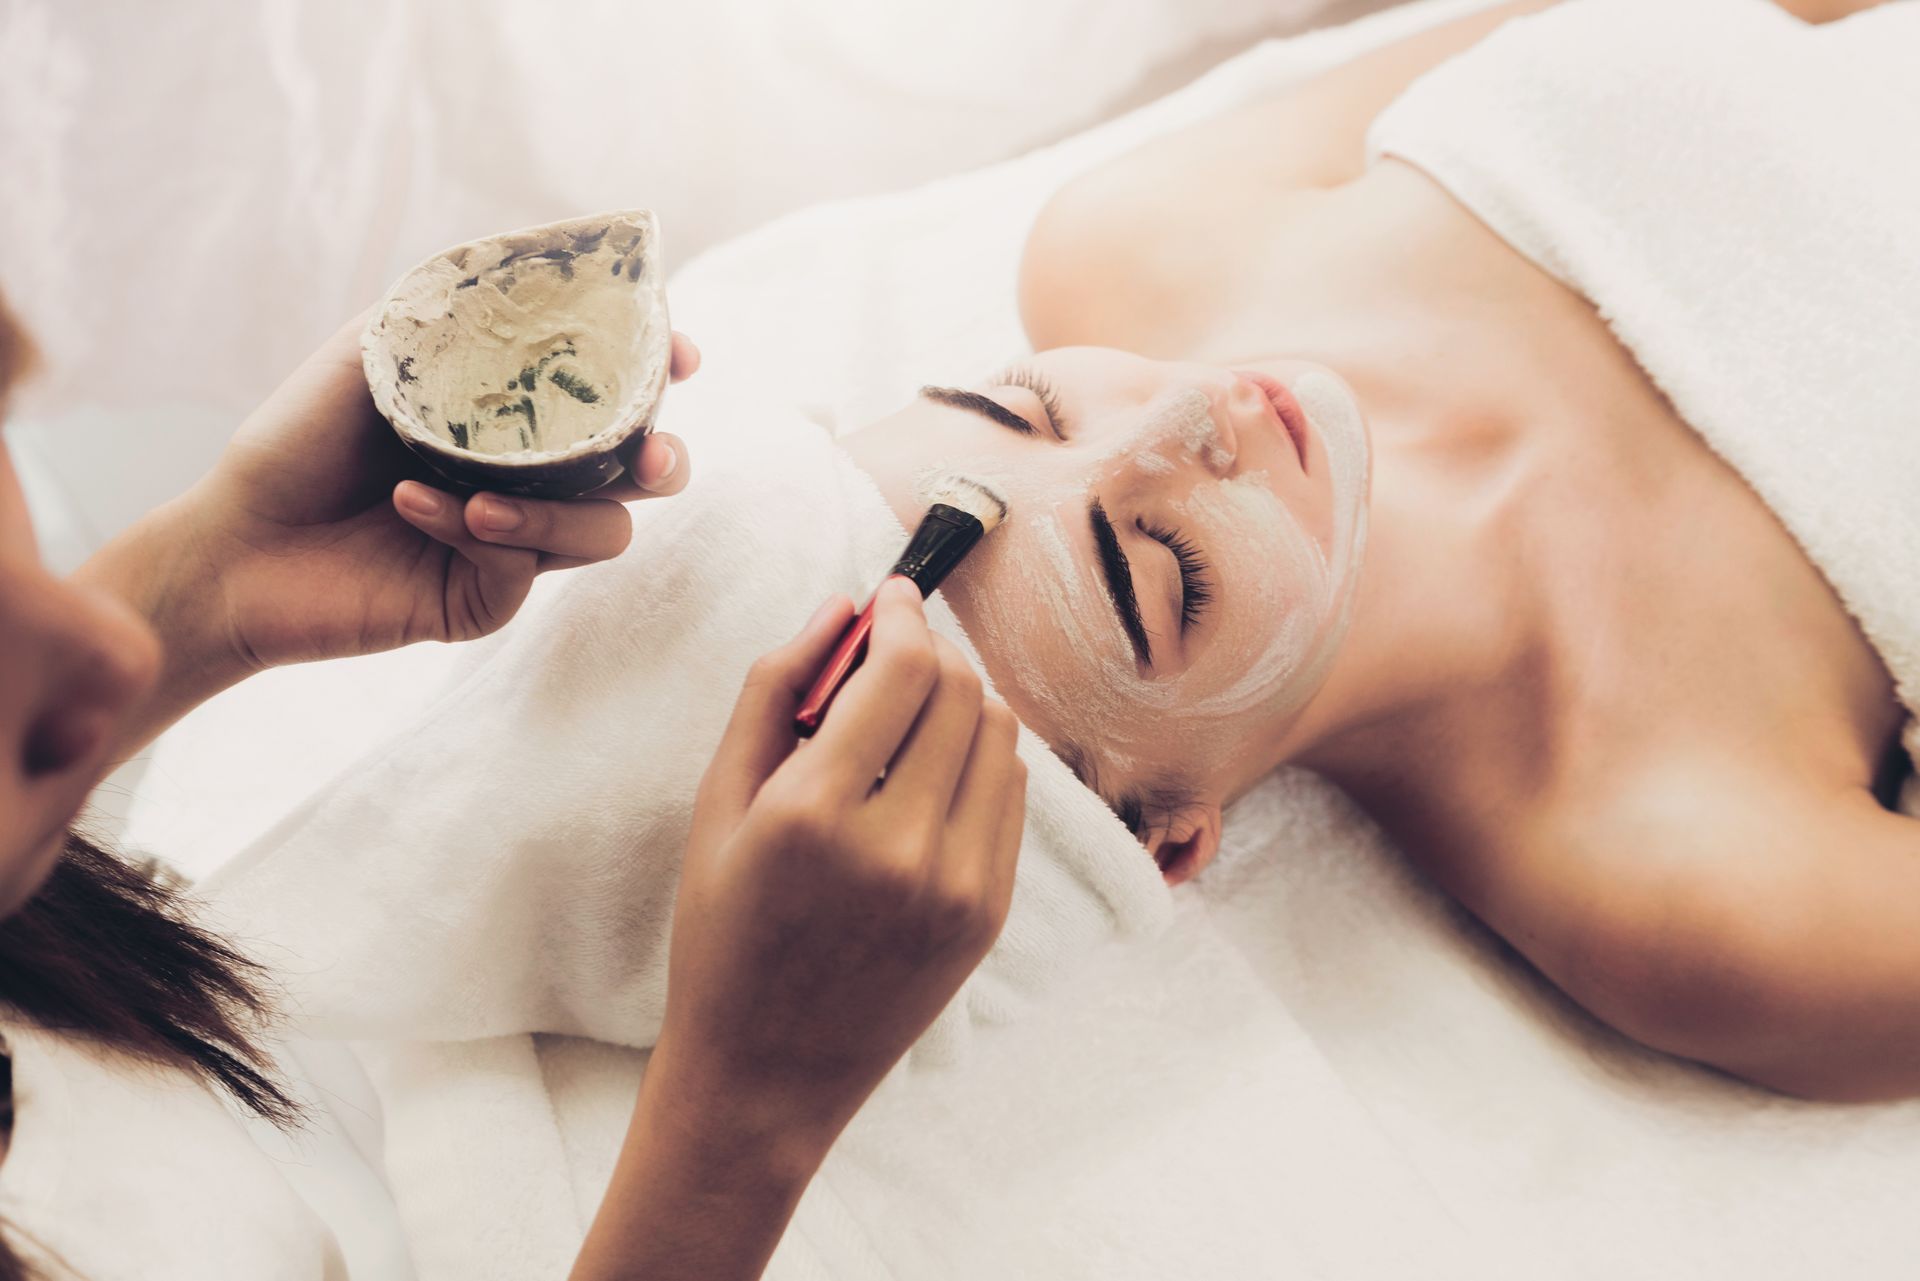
<point x="106" y="952"/>
<point x="1140" y="809"/>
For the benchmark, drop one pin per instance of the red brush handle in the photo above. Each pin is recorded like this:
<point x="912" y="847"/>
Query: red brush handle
<point x="844" y="661"/>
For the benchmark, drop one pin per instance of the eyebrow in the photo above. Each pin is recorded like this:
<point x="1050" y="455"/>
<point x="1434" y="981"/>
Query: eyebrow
<point x="974" y="402"/>
<point x="1119" y="576"/>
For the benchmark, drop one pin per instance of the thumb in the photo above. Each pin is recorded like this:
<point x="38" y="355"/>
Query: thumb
<point x="760" y="735"/>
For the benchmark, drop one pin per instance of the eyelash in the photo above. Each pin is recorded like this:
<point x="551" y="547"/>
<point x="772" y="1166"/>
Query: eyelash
<point x="1036" y="382"/>
<point x="1196" y="589"/>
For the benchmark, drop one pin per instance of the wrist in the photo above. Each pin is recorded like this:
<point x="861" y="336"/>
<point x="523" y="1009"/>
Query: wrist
<point x="735" y="1129"/>
<point x="161" y="569"/>
<point x="707" y="1180"/>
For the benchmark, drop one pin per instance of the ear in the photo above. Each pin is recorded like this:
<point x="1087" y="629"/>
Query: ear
<point x="1187" y="843"/>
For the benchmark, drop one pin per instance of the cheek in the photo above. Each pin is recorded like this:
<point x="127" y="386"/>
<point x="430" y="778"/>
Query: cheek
<point x="1173" y="428"/>
<point x="1051" y="645"/>
<point x="1277" y="597"/>
<point x="1343" y="447"/>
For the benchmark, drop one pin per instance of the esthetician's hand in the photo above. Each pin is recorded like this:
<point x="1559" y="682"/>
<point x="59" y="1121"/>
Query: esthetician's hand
<point x="319" y="535"/>
<point x="823" y="921"/>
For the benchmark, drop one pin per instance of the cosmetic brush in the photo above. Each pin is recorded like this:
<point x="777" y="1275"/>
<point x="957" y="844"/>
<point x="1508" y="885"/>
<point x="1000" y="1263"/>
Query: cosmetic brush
<point x="963" y="511"/>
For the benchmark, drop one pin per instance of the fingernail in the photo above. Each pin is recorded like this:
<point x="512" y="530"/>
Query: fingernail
<point x="651" y="479"/>
<point x="421" y="501"/>
<point x="499" y="515"/>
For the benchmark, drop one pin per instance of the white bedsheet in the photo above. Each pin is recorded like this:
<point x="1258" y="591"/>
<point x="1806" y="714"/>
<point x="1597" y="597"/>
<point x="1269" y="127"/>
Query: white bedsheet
<point x="1322" y="1069"/>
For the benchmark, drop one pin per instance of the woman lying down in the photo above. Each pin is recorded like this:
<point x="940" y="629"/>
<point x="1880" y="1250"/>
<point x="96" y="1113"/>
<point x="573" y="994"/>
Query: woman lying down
<point x="1587" y="673"/>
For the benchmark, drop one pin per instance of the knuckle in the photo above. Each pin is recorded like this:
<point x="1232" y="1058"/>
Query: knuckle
<point x="767" y="670"/>
<point x="913" y="662"/>
<point x="799" y="815"/>
<point x="619" y="534"/>
<point x="536" y="520"/>
<point x="956" y="673"/>
<point x="925" y="844"/>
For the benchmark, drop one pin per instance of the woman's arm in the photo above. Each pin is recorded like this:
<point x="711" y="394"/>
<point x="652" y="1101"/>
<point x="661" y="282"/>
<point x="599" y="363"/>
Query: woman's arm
<point x="705" y="1185"/>
<point x="318" y="535"/>
<point x="822" y="922"/>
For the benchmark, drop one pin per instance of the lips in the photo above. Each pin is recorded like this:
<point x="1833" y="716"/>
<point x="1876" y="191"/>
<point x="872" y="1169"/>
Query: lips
<point x="1285" y="408"/>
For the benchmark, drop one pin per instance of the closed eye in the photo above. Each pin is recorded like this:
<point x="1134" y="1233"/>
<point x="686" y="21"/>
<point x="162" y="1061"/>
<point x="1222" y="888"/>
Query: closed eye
<point x="1118" y="572"/>
<point x="1196" y="581"/>
<point x="1030" y="378"/>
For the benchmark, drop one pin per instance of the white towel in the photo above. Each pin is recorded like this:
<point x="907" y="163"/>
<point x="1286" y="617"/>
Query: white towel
<point x="117" y="1171"/>
<point x="1738" y="192"/>
<point x="508" y="863"/>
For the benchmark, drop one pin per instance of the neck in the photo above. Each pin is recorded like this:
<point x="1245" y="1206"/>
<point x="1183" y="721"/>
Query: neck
<point x="1446" y="657"/>
<point x="1446" y="664"/>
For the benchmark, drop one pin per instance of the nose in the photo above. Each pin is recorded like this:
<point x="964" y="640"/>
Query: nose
<point x="1244" y="403"/>
<point x="1188" y="424"/>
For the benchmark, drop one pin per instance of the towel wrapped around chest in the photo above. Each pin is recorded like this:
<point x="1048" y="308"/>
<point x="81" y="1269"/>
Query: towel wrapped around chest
<point x="1738" y="193"/>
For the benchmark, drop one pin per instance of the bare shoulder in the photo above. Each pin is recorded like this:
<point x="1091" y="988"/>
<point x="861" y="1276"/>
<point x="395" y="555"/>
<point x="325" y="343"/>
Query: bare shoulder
<point x="1142" y="223"/>
<point x="1747" y="917"/>
<point x="1121" y="246"/>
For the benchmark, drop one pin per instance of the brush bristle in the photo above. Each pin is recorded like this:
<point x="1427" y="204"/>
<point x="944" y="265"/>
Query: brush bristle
<point x="974" y="497"/>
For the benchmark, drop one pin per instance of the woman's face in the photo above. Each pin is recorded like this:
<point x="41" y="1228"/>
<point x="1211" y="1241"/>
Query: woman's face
<point x="77" y="663"/>
<point x="1178" y="561"/>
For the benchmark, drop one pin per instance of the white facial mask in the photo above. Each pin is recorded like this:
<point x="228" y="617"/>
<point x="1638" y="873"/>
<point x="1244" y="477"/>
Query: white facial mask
<point x="1285" y="596"/>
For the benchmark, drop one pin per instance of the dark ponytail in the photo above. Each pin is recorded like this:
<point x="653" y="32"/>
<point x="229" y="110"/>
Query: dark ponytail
<point x="108" y="953"/>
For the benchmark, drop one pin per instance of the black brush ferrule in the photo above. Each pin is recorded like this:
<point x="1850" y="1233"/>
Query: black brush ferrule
<point x="945" y="535"/>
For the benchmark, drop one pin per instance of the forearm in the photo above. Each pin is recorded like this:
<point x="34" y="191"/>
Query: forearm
<point x="160" y="570"/>
<point x="705" y="1184"/>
